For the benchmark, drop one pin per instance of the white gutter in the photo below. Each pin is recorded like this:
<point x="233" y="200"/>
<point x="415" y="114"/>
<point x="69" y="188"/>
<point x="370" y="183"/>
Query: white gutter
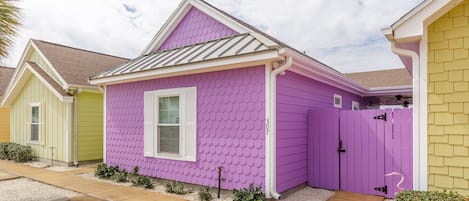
<point x="272" y="173"/>
<point x="415" y="112"/>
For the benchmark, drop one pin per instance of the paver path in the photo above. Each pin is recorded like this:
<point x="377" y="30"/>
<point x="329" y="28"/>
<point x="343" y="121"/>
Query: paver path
<point x="70" y="181"/>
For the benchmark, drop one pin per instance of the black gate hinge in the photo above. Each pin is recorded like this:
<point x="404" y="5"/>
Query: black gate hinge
<point x="383" y="117"/>
<point x="383" y="189"/>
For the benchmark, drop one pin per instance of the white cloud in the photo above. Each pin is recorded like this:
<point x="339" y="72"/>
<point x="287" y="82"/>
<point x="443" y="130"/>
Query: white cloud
<point x="343" y="34"/>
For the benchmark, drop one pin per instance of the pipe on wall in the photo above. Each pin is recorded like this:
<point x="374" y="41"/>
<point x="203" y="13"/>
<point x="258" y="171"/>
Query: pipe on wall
<point x="272" y="173"/>
<point x="416" y="106"/>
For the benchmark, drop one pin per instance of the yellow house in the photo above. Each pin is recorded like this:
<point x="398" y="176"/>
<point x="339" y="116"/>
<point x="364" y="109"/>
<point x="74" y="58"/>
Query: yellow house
<point x="433" y="42"/>
<point x="5" y="76"/>
<point x="53" y="107"/>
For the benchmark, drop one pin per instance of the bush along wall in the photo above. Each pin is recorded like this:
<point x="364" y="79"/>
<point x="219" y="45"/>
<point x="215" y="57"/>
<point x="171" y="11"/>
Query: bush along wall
<point x="430" y="196"/>
<point x="15" y="152"/>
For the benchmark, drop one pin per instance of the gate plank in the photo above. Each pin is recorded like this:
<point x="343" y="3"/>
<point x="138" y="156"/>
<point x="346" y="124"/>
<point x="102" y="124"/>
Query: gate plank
<point x="323" y="160"/>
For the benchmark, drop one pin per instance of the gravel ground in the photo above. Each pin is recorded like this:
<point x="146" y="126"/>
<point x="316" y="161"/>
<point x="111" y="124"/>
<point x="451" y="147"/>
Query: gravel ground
<point x="309" y="194"/>
<point x="27" y="190"/>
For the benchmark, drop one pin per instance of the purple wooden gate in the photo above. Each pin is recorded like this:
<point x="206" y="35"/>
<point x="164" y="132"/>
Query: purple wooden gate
<point x="353" y="150"/>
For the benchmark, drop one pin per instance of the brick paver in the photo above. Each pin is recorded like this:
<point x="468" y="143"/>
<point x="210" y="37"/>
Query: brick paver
<point x="71" y="181"/>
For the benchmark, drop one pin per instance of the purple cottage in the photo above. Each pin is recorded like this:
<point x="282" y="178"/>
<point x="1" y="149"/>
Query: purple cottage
<point x="211" y="91"/>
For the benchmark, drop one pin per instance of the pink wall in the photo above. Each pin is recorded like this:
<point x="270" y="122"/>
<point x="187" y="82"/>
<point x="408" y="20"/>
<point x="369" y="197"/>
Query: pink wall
<point x="230" y="132"/>
<point x="296" y="95"/>
<point x="196" y="27"/>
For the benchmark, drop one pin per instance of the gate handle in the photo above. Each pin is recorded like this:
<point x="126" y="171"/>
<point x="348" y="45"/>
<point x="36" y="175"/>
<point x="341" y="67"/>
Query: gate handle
<point x="341" y="148"/>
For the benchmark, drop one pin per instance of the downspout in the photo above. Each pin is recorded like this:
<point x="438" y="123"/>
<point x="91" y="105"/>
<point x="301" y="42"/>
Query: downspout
<point x="273" y="119"/>
<point x="416" y="97"/>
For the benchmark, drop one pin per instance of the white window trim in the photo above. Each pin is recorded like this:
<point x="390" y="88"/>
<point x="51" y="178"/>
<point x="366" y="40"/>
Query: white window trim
<point x="181" y="92"/>
<point x="337" y="105"/>
<point x="31" y="123"/>
<point x="355" y="104"/>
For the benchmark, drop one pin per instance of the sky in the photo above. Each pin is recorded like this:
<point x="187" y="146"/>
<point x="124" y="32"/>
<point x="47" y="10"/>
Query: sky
<point x="344" y="34"/>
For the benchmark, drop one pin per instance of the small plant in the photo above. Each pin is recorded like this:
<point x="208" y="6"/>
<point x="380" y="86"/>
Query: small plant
<point x="106" y="172"/>
<point x="176" y="188"/>
<point x="204" y="194"/>
<point x="430" y="196"/>
<point x="140" y="180"/>
<point x="120" y="176"/>
<point x="101" y="170"/>
<point x="249" y="194"/>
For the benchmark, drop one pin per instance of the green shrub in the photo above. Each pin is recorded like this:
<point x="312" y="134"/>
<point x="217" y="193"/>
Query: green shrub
<point x="249" y="194"/>
<point x="4" y="151"/>
<point x="204" y="194"/>
<point x="430" y="196"/>
<point x="16" y="152"/>
<point x="105" y="172"/>
<point x="176" y="188"/>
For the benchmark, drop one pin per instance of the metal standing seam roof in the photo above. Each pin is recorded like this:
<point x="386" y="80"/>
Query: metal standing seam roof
<point x="236" y="45"/>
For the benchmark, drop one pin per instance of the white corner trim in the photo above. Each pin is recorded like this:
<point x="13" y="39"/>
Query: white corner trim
<point x="104" y="122"/>
<point x="68" y="131"/>
<point x="423" y="113"/>
<point x="268" y="128"/>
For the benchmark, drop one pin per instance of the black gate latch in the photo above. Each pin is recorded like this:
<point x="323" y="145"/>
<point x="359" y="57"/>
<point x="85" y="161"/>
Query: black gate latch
<point x="383" y="117"/>
<point x="383" y="189"/>
<point x="341" y="148"/>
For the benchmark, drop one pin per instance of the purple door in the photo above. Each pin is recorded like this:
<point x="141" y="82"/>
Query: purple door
<point x="354" y="150"/>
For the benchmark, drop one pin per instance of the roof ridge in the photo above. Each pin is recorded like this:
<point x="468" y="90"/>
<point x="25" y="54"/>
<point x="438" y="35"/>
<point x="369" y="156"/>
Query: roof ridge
<point x="209" y="41"/>
<point x="79" y="49"/>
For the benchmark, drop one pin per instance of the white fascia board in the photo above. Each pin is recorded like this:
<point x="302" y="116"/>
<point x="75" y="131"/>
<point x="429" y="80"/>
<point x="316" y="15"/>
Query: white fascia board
<point x="411" y="25"/>
<point x="168" y="27"/>
<point x="199" y="67"/>
<point x="26" y="72"/>
<point x="62" y="83"/>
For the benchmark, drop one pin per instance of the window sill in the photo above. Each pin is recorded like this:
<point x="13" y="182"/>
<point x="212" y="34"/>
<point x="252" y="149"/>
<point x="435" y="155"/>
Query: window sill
<point x="171" y="157"/>
<point x="35" y="143"/>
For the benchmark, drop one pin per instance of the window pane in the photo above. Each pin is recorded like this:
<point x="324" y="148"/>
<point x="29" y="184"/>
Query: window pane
<point x="169" y="110"/>
<point x="35" y="114"/>
<point x="34" y="132"/>
<point x="168" y="139"/>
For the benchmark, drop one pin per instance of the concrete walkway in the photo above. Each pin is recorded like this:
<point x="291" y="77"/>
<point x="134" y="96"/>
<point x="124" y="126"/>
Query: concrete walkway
<point x="70" y="181"/>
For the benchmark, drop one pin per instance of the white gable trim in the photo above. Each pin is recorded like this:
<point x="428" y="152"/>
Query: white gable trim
<point x="181" y="12"/>
<point x="20" y="81"/>
<point x="410" y="27"/>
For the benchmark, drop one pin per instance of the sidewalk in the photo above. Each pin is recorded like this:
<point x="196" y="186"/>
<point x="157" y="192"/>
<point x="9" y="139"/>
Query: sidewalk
<point x="70" y="181"/>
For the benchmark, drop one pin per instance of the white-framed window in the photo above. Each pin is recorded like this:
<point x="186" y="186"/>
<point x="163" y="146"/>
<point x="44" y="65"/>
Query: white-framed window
<point x="170" y="117"/>
<point x="35" y="123"/>
<point x="355" y="105"/>
<point x="337" y="101"/>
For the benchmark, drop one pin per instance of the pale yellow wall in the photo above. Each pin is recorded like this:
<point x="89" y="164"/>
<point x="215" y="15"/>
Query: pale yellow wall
<point x="448" y="101"/>
<point x="4" y="124"/>
<point x="90" y="126"/>
<point x="53" y="119"/>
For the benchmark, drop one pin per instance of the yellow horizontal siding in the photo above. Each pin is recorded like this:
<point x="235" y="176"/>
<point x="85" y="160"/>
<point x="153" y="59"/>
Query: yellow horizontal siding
<point x="448" y="101"/>
<point x="90" y="126"/>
